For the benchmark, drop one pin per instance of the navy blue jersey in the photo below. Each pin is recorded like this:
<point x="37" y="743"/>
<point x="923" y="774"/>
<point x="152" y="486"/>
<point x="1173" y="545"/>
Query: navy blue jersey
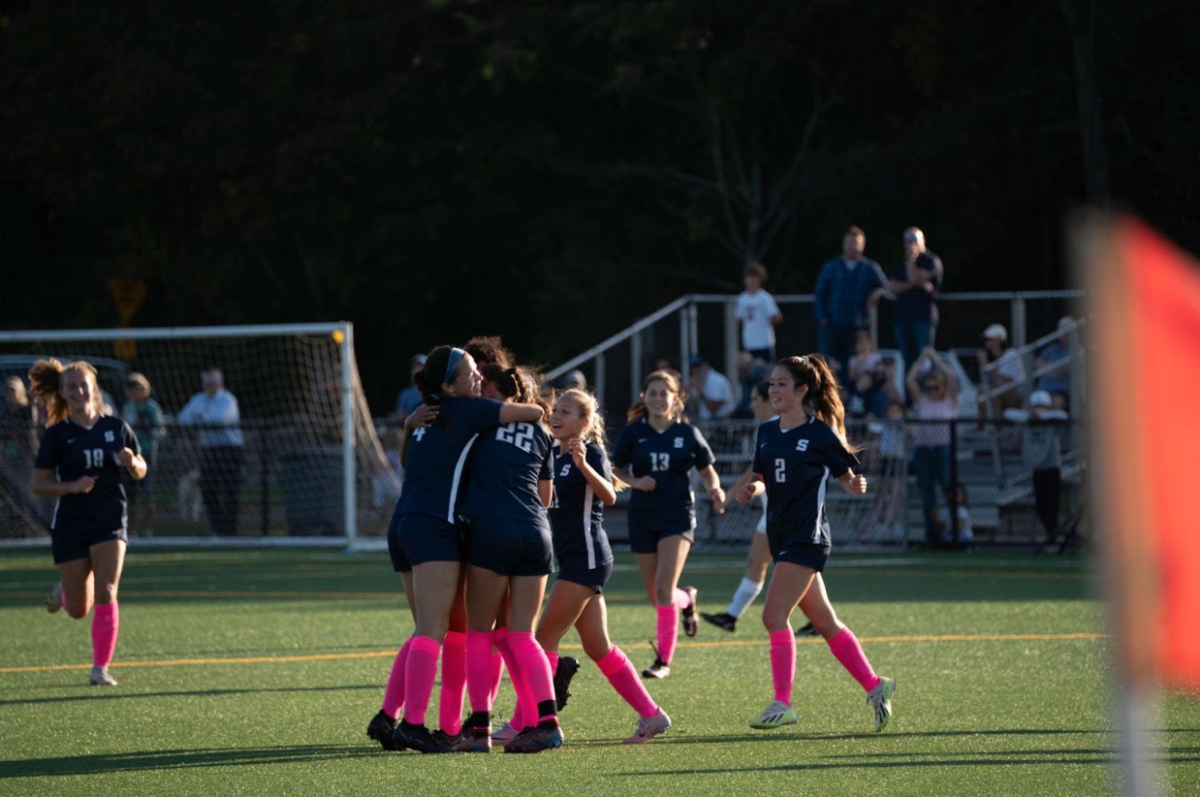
<point x="437" y="456"/>
<point x="73" y="451"/>
<point x="666" y="456"/>
<point x="796" y="466"/>
<point x="506" y="466"/>
<point x="577" y="514"/>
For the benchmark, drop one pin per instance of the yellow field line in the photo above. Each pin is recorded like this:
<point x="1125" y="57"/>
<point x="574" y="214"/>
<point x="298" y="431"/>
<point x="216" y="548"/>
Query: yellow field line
<point x="730" y="643"/>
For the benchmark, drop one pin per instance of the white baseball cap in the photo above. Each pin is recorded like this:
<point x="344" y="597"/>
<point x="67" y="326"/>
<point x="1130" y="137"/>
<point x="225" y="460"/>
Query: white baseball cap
<point x="1040" y="398"/>
<point x="996" y="331"/>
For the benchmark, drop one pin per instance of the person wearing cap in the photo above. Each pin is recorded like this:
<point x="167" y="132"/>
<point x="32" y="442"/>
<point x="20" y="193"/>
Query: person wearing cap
<point x="574" y="380"/>
<point x="145" y="417"/>
<point x="215" y="412"/>
<point x="712" y="392"/>
<point x="915" y="283"/>
<point x="409" y="398"/>
<point x="848" y="284"/>
<point x="1042" y="453"/>
<point x="1009" y="372"/>
<point x="1055" y="357"/>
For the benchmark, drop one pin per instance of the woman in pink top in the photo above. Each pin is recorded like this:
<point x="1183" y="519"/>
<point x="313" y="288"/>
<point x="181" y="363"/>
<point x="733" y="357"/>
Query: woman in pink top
<point x="935" y="397"/>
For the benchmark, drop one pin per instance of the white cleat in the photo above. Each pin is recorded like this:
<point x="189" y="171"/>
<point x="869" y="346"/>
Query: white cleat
<point x="649" y="727"/>
<point x="100" y="677"/>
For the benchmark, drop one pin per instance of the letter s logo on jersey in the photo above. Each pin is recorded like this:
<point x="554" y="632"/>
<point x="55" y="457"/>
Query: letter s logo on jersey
<point x="679" y="442"/>
<point x="801" y="445"/>
<point x="108" y="437"/>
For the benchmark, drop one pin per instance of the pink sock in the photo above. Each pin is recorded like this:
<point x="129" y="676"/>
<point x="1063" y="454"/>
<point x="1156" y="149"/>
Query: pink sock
<point x="419" y="675"/>
<point x="515" y="674"/>
<point x="479" y="670"/>
<point x="681" y="599"/>
<point x="668" y="631"/>
<point x="783" y="664"/>
<point x="620" y="673"/>
<point x="536" y="668"/>
<point x="393" y="693"/>
<point x="454" y="682"/>
<point x="105" y="623"/>
<point x="846" y="649"/>
<point x="553" y="659"/>
<point x="497" y="665"/>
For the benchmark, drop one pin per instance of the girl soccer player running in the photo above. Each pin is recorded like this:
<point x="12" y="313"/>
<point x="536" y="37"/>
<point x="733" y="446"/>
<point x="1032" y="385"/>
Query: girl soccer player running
<point x="424" y="536"/>
<point x="794" y="456"/>
<point x="583" y="486"/>
<point x="509" y="551"/>
<point x="79" y="463"/>
<point x="654" y="453"/>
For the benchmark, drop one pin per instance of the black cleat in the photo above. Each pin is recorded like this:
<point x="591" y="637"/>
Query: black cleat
<point x="567" y="667"/>
<point x="381" y="729"/>
<point x="445" y="739"/>
<point x="724" y="620"/>
<point x="417" y="737"/>
<point x="806" y="630"/>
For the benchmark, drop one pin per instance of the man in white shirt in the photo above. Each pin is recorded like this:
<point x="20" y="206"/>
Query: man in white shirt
<point x="758" y="314"/>
<point x="215" y="412"/>
<point x="711" y="392"/>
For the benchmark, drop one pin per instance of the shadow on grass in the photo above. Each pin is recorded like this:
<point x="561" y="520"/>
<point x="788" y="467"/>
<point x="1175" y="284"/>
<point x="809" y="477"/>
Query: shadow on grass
<point x="93" y="695"/>
<point x="180" y="759"/>
<point x="682" y="738"/>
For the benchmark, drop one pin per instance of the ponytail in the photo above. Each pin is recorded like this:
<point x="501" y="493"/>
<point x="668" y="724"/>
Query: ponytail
<point x="515" y="384"/>
<point x="823" y="397"/>
<point x="45" y="380"/>
<point x="589" y="408"/>
<point x="671" y="378"/>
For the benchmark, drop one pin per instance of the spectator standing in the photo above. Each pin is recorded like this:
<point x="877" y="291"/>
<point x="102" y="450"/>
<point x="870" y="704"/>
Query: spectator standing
<point x="18" y="442"/>
<point x="935" y="398"/>
<point x="145" y="417"/>
<point x="1055" y="356"/>
<point x="409" y="398"/>
<point x="711" y="392"/>
<point x="915" y="284"/>
<point x="847" y="286"/>
<point x="1043" y="456"/>
<point x="758" y="315"/>
<point x="1010" y="371"/>
<point x="214" y="411"/>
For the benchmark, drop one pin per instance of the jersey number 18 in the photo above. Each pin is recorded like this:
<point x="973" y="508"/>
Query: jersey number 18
<point x="94" y="457"/>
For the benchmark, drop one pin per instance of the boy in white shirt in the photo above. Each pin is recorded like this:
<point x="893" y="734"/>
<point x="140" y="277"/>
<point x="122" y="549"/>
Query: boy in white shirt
<point x="758" y="314"/>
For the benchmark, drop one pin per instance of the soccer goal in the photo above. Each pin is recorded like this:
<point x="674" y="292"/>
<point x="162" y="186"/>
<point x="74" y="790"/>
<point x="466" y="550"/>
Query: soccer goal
<point x="300" y="464"/>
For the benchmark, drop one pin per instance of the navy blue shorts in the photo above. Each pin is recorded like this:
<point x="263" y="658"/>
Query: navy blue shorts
<point x="415" y="539"/>
<point x="647" y="528"/>
<point x="576" y="571"/>
<point x="510" y="547"/>
<point x="67" y="544"/>
<point x="806" y="554"/>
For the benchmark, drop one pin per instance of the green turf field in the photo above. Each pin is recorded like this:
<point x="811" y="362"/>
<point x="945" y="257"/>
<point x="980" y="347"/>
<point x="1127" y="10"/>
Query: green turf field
<point x="256" y="673"/>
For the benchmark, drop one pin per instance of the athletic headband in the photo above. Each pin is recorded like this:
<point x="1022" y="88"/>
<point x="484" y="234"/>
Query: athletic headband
<point x="456" y="356"/>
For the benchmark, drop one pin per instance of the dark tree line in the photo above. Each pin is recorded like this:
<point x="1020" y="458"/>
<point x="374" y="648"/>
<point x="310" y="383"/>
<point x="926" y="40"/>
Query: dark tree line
<point x="552" y="171"/>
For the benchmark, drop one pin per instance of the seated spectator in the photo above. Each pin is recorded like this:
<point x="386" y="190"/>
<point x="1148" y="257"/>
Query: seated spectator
<point x="1009" y="372"/>
<point x="935" y="397"/>
<point x="409" y="398"/>
<point x="573" y="380"/>
<point x="711" y="392"/>
<point x="1054" y="355"/>
<point x="866" y="393"/>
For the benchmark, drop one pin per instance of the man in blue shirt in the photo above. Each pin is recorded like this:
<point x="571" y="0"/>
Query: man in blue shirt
<point x="847" y="286"/>
<point x="215" y="412"/>
<point x="915" y="284"/>
<point x="409" y="398"/>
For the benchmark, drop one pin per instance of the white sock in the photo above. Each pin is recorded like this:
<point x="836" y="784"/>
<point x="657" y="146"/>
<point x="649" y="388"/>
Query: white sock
<point x="747" y="591"/>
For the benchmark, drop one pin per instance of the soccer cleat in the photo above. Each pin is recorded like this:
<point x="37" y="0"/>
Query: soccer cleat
<point x="416" y="737"/>
<point x="100" y="677"/>
<point x="806" y="630"/>
<point x="880" y="701"/>
<point x="505" y="733"/>
<point x="476" y="740"/>
<point x="777" y="715"/>
<point x="535" y="740"/>
<point x="724" y="620"/>
<point x="690" y="624"/>
<point x="567" y="667"/>
<point x="445" y="739"/>
<point x="381" y="729"/>
<point x="54" y="601"/>
<point x="649" y="727"/>
<point x="659" y="669"/>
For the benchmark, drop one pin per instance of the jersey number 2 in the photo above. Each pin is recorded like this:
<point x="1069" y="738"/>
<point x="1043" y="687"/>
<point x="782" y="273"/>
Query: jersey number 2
<point x="780" y="471"/>
<point x="660" y="462"/>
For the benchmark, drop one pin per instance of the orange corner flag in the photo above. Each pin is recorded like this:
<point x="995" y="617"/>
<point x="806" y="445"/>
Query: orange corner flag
<point x="1144" y="299"/>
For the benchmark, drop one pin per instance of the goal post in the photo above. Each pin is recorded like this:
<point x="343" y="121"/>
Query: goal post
<point x="301" y="464"/>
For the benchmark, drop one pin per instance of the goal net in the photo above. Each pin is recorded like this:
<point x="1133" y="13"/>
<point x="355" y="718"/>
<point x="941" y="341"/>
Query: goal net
<point x="303" y="463"/>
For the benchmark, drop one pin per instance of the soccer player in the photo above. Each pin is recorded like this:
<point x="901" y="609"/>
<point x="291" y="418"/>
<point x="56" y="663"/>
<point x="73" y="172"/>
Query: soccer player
<point x="79" y="463"/>
<point x="583" y="486"/>
<point x="760" y="553"/>
<point x="509" y="550"/>
<point x="654" y="454"/>
<point x="424" y="535"/>
<point x="794" y="456"/>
